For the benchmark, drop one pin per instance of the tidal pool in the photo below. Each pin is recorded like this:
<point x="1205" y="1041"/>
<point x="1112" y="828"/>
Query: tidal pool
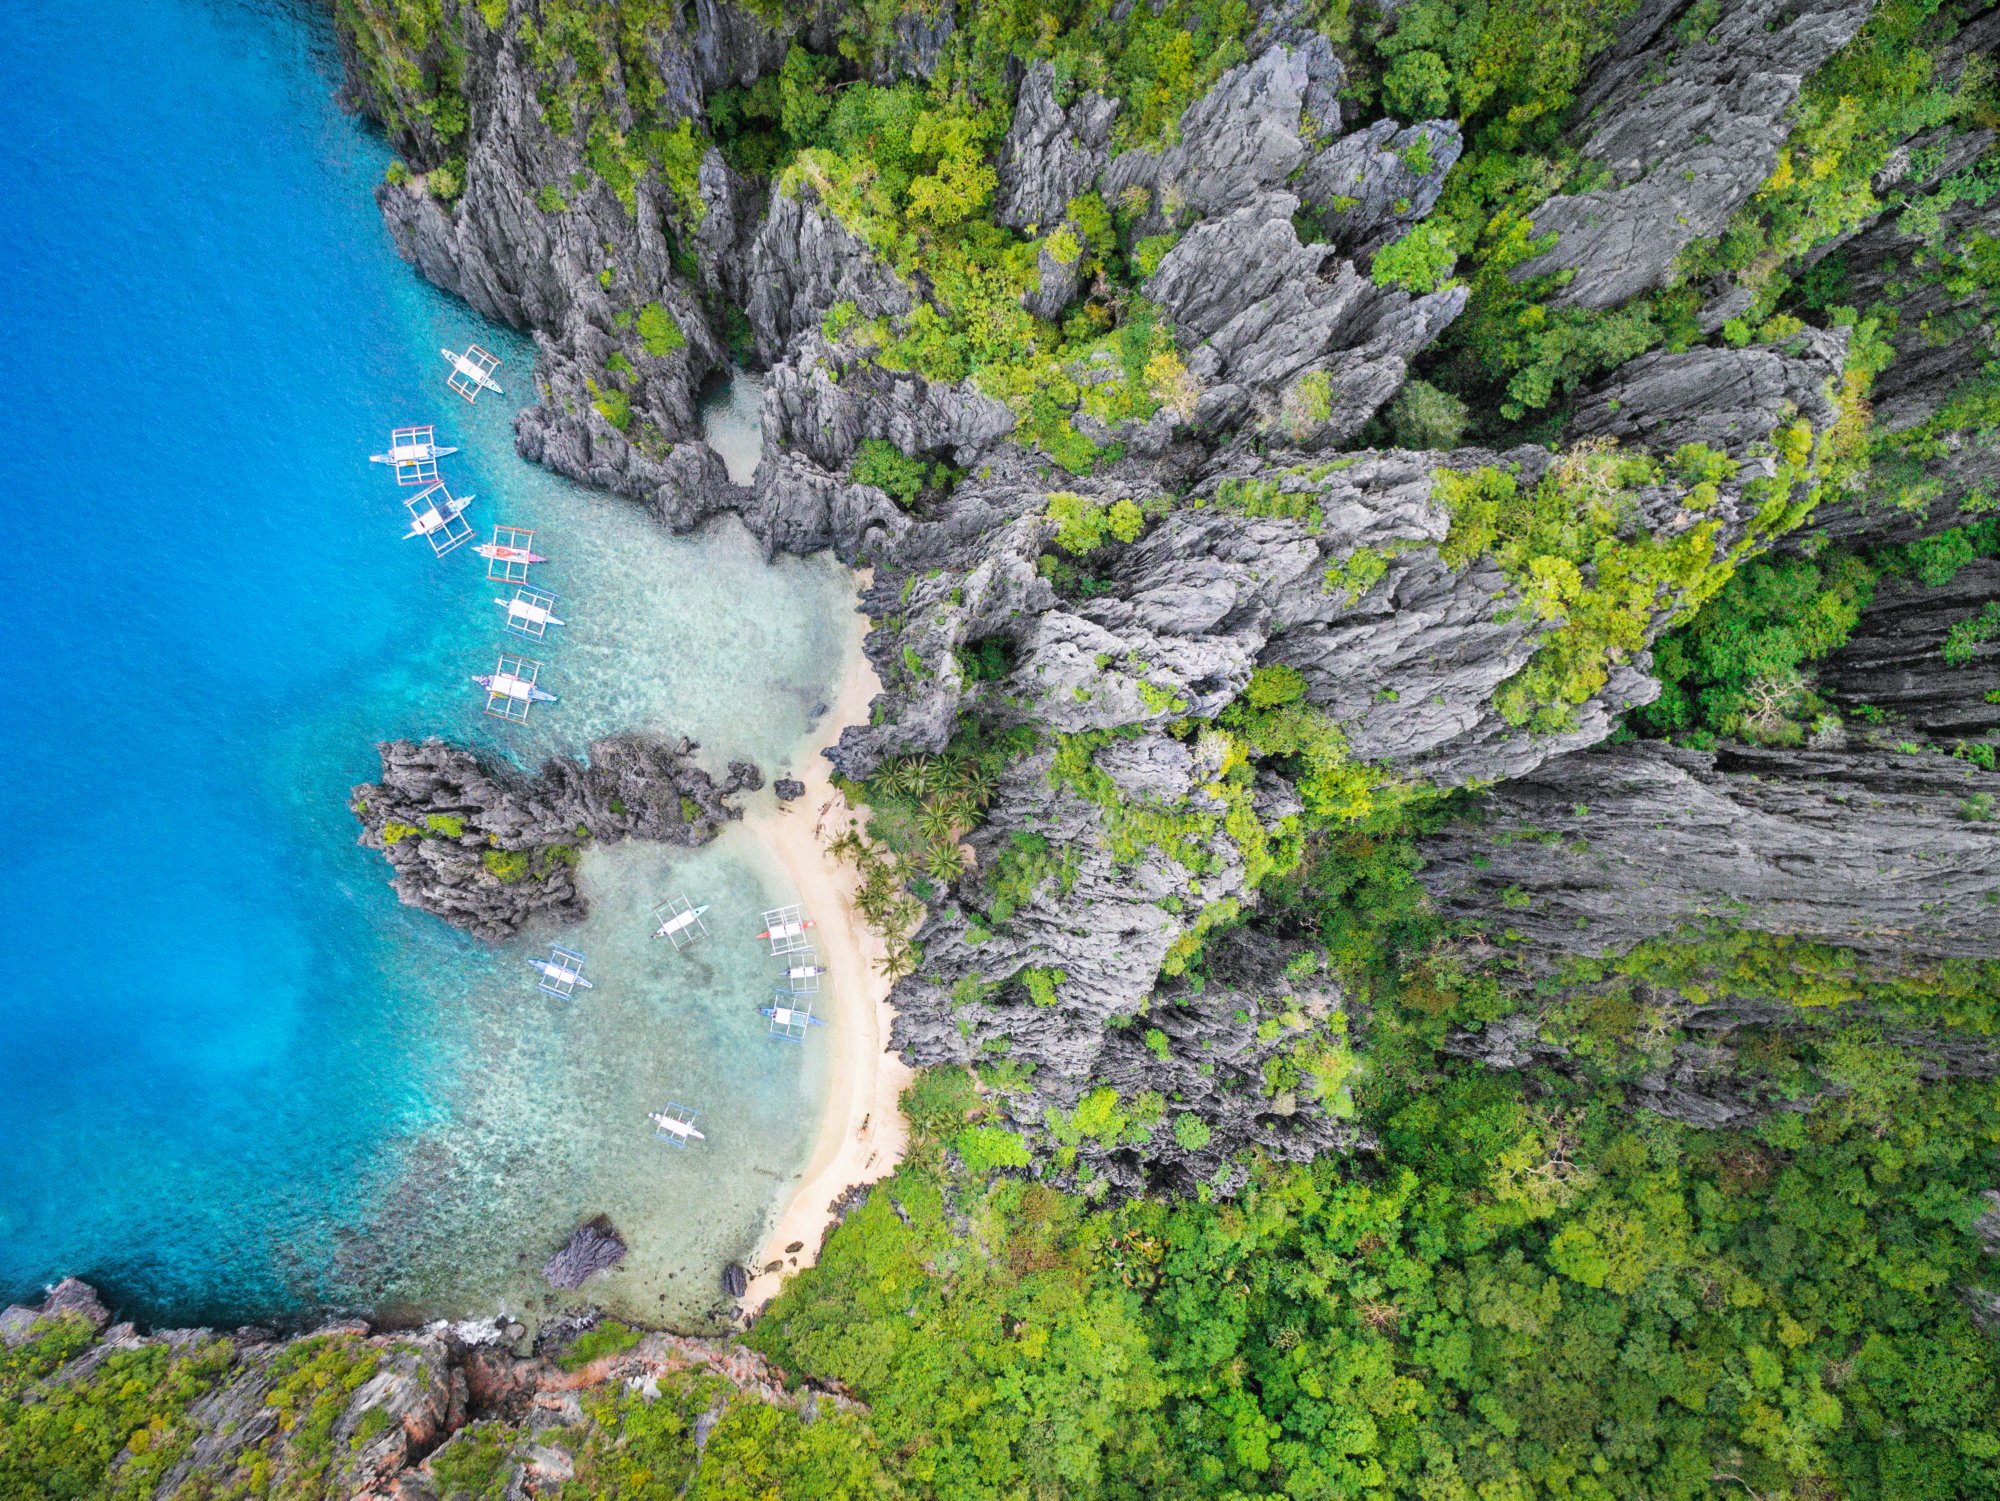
<point x="730" y="422"/>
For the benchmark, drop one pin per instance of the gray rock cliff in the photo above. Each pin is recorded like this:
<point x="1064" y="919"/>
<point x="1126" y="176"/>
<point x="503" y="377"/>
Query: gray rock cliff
<point x="1592" y="853"/>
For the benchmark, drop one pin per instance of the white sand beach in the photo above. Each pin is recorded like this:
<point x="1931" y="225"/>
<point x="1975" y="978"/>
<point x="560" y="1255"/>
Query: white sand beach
<point x="861" y="1134"/>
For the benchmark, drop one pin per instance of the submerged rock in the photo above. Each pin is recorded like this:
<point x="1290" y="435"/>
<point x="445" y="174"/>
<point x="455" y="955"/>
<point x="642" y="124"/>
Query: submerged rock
<point x="596" y="1247"/>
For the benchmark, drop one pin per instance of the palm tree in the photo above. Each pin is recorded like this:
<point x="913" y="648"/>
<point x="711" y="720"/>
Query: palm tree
<point x="951" y="771"/>
<point x="945" y="862"/>
<point x="920" y="774"/>
<point x="939" y="821"/>
<point x="898" y="960"/>
<point x="980" y="782"/>
<point x="873" y="903"/>
<point x="846" y="845"/>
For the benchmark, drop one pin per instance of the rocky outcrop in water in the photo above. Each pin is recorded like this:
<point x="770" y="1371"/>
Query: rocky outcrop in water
<point x="1879" y="851"/>
<point x="487" y="849"/>
<point x="596" y="1247"/>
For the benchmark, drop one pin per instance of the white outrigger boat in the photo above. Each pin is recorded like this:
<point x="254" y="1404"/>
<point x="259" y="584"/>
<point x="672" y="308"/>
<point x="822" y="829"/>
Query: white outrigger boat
<point x="438" y="517"/>
<point x="472" y="372"/>
<point x="413" y="452"/>
<point x="802" y="972"/>
<point x="530" y="612"/>
<point x="428" y="516"/>
<point x="510" y="687"/>
<point x="789" y="1022"/>
<point x="561" y="972"/>
<point x="675" y="1125"/>
<point x="786" y="928"/>
<point x="513" y="685"/>
<point x="675" y="924"/>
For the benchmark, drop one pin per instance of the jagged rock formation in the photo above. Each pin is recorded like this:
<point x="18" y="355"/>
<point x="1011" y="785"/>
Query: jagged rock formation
<point x="1688" y="127"/>
<point x="1262" y="311"/>
<point x="1711" y="1078"/>
<point x="1257" y="547"/>
<point x="1373" y="183"/>
<point x="487" y="849"/>
<point x="1945" y="340"/>
<point x="1895" y="660"/>
<point x="1239" y="140"/>
<point x="1408" y="665"/>
<point x="1592" y="853"/>
<point x="1208" y="1056"/>
<point x="1053" y="154"/>
<point x="386" y="1410"/>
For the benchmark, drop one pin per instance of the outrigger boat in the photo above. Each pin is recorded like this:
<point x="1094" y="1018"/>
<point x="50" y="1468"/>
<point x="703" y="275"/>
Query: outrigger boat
<point x="530" y="612"/>
<point x="789" y="1021"/>
<point x="495" y="552"/>
<point x="509" y="685"/>
<point x="472" y="372"/>
<point x="680" y="921"/>
<point x="675" y="1125"/>
<point x="795" y="929"/>
<point x="410" y="446"/>
<point x="802" y="972"/>
<point x="561" y="972"/>
<point x="437" y="516"/>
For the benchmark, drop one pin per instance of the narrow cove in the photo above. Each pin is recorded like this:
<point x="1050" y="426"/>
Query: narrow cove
<point x="249" y="1084"/>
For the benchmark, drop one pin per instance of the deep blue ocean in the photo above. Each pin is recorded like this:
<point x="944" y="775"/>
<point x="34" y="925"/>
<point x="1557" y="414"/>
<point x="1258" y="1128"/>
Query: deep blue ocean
<point x="237" y="1079"/>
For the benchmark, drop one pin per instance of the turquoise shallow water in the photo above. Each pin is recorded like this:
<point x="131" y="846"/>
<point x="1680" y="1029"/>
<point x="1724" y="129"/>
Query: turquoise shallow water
<point x="236" y="1078"/>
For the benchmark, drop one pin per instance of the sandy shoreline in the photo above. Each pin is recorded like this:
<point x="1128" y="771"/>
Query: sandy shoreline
<point x="861" y="1133"/>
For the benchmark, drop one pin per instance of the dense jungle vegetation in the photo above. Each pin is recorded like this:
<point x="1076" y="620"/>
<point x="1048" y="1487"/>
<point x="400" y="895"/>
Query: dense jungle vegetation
<point x="1525" y="1288"/>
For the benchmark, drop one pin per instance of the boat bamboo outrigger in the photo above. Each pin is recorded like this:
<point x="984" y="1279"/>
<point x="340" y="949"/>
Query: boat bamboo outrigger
<point x="472" y="372"/>
<point x="674" y="1124"/>
<point x="414" y="452"/>
<point x="510" y="688"/>
<point x="677" y="919"/>
<point x="437" y="516"/>
<point x="788" y="1021"/>
<point x="802" y="977"/>
<point x="561" y="972"/>
<point x="786" y="928"/>
<point x="530" y="612"/>
<point x="509" y="554"/>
